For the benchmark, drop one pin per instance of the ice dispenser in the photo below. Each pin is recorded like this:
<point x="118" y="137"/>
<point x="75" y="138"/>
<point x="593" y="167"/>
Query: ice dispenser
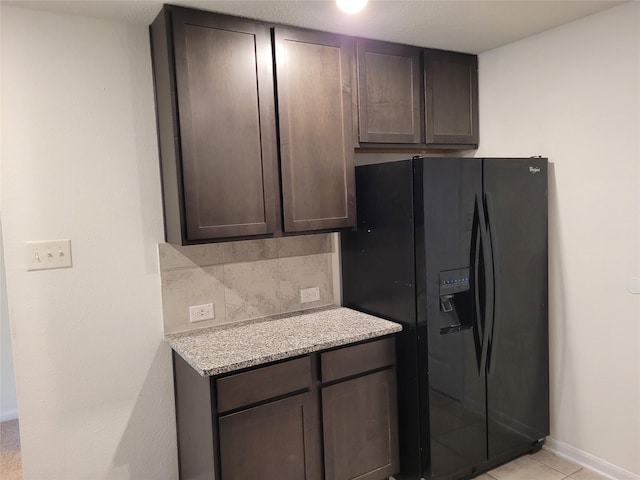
<point x="453" y="284"/>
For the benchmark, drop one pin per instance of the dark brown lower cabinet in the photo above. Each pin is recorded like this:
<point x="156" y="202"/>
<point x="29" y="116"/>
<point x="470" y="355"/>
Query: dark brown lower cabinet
<point x="360" y="427"/>
<point x="278" y="440"/>
<point x="273" y="422"/>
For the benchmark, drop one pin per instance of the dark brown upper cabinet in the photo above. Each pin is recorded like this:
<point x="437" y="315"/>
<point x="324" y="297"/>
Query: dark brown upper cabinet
<point x="216" y="121"/>
<point x="215" y="95"/>
<point x="451" y="98"/>
<point x="389" y="98"/>
<point x="314" y="73"/>
<point x="410" y="97"/>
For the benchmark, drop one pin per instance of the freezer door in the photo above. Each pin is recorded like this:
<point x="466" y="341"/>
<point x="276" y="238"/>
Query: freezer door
<point x="448" y="256"/>
<point x="515" y="201"/>
<point x="378" y="277"/>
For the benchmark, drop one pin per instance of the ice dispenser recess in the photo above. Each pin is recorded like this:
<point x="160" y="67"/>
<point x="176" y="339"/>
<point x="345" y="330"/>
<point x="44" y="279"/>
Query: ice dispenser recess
<point x="453" y="282"/>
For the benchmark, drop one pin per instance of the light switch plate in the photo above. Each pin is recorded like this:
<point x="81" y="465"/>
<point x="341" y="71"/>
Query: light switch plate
<point x="48" y="254"/>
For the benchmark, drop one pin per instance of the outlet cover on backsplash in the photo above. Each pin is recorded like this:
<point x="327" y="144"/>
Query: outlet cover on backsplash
<point x="308" y="295"/>
<point x="244" y="280"/>
<point x="200" y="313"/>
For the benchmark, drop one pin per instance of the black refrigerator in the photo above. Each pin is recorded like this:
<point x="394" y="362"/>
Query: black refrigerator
<point x="455" y="249"/>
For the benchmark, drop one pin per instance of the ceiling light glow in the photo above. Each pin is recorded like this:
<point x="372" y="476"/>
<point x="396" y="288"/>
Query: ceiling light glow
<point x="351" y="6"/>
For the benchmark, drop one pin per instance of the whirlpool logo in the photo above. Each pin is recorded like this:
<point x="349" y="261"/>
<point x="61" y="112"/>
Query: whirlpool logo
<point x="534" y="169"/>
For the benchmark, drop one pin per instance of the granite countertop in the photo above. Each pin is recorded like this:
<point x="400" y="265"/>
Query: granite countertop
<point x="225" y="348"/>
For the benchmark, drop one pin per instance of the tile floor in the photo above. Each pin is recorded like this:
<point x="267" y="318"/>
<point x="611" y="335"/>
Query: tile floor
<point x="541" y="466"/>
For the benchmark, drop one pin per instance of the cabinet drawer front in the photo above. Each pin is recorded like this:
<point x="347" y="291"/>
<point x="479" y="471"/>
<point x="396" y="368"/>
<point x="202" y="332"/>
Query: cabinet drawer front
<point x="263" y="383"/>
<point x="358" y="359"/>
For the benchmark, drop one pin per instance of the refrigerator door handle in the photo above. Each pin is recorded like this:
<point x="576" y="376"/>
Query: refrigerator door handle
<point x="478" y="282"/>
<point x="493" y="328"/>
<point x="487" y="283"/>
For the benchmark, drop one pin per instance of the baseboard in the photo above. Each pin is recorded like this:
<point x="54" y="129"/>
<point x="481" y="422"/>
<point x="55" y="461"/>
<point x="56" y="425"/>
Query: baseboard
<point x="8" y="415"/>
<point x="589" y="461"/>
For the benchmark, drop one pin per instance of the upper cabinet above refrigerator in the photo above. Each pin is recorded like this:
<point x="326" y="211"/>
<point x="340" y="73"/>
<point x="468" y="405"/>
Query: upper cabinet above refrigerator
<point x="416" y="98"/>
<point x="390" y="102"/>
<point x="451" y="98"/>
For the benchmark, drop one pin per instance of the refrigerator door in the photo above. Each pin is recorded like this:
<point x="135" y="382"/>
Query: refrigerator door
<point x="378" y="277"/>
<point x="449" y="262"/>
<point x="517" y="362"/>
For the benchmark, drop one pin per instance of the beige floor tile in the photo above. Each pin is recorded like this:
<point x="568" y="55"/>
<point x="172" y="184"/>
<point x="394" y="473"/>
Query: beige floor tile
<point x="542" y="465"/>
<point x="525" y="468"/>
<point x="586" y="474"/>
<point x="555" y="462"/>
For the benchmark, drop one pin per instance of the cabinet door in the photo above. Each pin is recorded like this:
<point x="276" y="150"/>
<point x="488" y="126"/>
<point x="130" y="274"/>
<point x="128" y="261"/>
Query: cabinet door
<point x="316" y="137"/>
<point x="389" y="85"/>
<point x="226" y="124"/>
<point x="275" y="441"/>
<point x="451" y="98"/>
<point x="360" y="428"/>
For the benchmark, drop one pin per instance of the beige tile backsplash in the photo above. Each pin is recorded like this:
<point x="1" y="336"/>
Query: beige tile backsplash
<point x="183" y="287"/>
<point x="243" y="280"/>
<point x="172" y="256"/>
<point x="296" y="273"/>
<point x="251" y="289"/>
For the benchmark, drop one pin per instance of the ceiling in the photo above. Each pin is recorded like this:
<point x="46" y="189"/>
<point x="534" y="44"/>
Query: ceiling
<point x="471" y="26"/>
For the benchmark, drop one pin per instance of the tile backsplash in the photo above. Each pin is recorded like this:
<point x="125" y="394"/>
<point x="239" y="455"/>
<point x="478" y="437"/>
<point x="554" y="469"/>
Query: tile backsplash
<point x="243" y="280"/>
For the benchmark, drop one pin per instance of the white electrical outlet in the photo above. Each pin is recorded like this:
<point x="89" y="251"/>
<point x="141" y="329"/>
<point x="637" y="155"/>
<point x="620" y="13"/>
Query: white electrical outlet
<point x="198" y="313"/>
<point x="48" y="254"/>
<point x="309" y="295"/>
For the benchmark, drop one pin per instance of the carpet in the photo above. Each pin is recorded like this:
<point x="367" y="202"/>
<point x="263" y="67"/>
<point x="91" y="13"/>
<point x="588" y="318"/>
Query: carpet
<point x="10" y="457"/>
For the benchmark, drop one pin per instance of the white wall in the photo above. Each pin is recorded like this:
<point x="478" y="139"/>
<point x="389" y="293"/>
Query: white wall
<point x="573" y="94"/>
<point x="80" y="161"/>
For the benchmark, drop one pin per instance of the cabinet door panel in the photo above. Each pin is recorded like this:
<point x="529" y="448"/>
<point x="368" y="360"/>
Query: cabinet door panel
<point x="226" y="121"/>
<point x="276" y="441"/>
<point x="389" y="93"/>
<point x="316" y="140"/>
<point x="360" y="427"/>
<point x="451" y="97"/>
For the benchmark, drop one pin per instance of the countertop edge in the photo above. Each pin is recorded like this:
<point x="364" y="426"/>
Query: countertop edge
<point x="389" y="328"/>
